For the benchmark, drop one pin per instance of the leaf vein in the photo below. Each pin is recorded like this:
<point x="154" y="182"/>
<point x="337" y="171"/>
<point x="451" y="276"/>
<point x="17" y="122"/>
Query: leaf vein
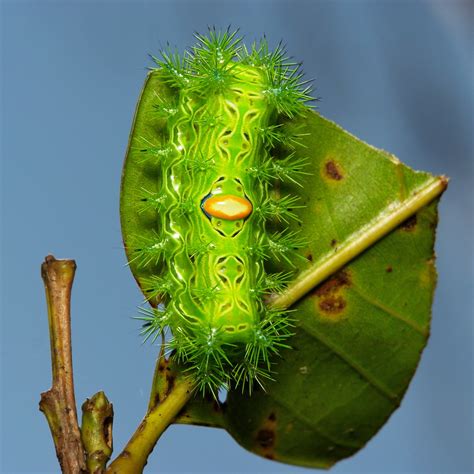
<point x="302" y="419"/>
<point x="389" y="311"/>
<point x="367" y="376"/>
<point x="403" y="192"/>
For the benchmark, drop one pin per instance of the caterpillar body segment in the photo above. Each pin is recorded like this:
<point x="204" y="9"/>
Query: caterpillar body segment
<point x="211" y="165"/>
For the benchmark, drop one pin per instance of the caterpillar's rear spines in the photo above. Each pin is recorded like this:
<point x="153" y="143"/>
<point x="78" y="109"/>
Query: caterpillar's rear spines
<point x="205" y="355"/>
<point x="211" y="360"/>
<point x="247" y="375"/>
<point x="268" y="339"/>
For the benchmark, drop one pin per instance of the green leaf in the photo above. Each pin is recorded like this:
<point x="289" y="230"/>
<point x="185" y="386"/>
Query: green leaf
<point x="360" y="333"/>
<point x="362" y="297"/>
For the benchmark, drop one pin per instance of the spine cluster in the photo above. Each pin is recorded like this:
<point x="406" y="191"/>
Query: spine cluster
<point x="204" y="271"/>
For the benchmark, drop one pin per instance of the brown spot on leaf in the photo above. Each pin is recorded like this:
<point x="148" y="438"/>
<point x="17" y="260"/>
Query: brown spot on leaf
<point x="333" y="242"/>
<point x="410" y="224"/>
<point x="339" y="280"/>
<point x="389" y="269"/>
<point x="333" y="171"/>
<point x="332" y="304"/>
<point x="310" y="257"/>
<point x="330" y="297"/>
<point x="265" y="438"/>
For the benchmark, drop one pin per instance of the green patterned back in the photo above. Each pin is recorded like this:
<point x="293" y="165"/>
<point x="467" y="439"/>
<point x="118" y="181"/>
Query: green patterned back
<point x="201" y="206"/>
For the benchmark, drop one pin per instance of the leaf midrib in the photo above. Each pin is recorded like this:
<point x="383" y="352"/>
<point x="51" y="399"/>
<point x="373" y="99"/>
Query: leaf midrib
<point x="389" y="219"/>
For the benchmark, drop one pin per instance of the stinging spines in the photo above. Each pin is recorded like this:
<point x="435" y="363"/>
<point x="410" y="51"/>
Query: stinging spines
<point x="210" y="70"/>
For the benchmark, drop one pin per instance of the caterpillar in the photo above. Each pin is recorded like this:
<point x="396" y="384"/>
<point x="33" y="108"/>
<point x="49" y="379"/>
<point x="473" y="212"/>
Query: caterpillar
<point x="217" y="214"/>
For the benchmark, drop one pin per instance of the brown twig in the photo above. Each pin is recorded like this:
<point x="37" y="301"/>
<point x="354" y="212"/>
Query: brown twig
<point x="59" y="404"/>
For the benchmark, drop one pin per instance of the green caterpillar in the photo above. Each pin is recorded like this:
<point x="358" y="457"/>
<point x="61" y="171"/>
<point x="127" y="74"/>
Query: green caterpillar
<point x="213" y="216"/>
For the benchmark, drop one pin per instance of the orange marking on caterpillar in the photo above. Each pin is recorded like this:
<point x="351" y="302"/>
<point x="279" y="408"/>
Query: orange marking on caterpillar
<point x="228" y="207"/>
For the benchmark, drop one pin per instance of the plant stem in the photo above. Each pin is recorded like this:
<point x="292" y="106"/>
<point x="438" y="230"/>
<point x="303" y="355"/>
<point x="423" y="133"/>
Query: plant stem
<point x="59" y="404"/>
<point x="158" y="391"/>
<point x="133" y="458"/>
<point x="96" y="431"/>
<point x="200" y="410"/>
<point x="356" y="244"/>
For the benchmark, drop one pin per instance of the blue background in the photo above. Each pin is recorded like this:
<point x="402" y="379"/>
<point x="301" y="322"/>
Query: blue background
<point x="396" y="74"/>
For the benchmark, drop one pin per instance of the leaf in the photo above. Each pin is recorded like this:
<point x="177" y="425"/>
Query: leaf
<point x="359" y="334"/>
<point x="139" y="177"/>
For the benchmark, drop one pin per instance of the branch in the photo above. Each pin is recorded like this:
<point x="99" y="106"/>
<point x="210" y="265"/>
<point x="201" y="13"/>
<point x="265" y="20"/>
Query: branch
<point x="134" y="457"/>
<point x="202" y="411"/>
<point x="96" y="430"/>
<point x="59" y="404"/>
<point x="161" y="384"/>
